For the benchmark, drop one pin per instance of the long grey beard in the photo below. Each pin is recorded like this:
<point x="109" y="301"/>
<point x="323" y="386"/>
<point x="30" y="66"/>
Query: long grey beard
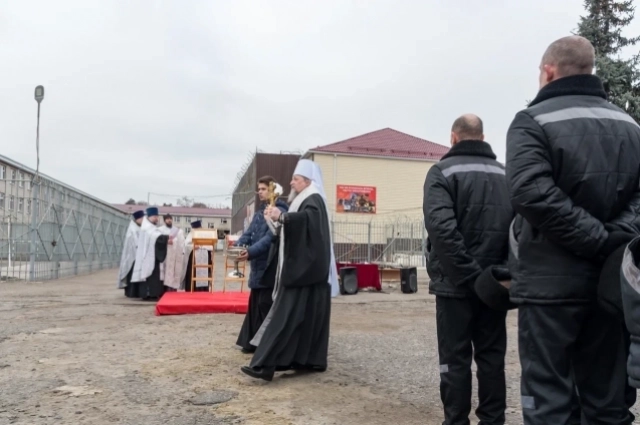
<point x="292" y="196"/>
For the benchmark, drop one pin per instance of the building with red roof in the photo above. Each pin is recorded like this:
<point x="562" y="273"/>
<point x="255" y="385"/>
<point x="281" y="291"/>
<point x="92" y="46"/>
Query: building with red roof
<point x="386" y="143"/>
<point x="376" y="174"/>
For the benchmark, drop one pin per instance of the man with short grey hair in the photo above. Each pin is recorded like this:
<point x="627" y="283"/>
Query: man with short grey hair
<point x="573" y="166"/>
<point x="467" y="215"/>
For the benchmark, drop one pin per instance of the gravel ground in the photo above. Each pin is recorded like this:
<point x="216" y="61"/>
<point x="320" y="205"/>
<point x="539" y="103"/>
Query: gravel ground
<point x="76" y="351"/>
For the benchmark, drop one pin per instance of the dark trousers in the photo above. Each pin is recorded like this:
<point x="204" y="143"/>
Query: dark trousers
<point x="468" y="329"/>
<point x="564" y="347"/>
<point x="630" y="393"/>
<point x="260" y="302"/>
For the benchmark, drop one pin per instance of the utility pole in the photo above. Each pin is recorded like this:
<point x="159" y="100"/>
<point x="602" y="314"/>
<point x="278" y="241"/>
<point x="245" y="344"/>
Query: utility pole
<point x="35" y="190"/>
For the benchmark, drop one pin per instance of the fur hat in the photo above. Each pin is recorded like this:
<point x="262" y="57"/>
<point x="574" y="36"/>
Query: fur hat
<point x="492" y="287"/>
<point x="609" y="292"/>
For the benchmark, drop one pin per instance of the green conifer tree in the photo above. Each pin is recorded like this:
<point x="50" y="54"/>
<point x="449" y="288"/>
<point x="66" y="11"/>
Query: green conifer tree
<point x="603" y="26"/>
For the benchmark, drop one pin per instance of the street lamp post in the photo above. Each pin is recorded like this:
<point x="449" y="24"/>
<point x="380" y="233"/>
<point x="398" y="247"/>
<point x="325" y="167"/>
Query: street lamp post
<point x="35" y="190"/>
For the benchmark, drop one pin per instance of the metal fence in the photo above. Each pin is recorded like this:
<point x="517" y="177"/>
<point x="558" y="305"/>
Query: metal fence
<point x="50" y="231"/>
<point x="398" y="241"/>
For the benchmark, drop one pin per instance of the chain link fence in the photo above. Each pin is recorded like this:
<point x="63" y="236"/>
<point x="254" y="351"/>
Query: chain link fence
<point x="49" y="231"/>
<point x="399" y="241"/>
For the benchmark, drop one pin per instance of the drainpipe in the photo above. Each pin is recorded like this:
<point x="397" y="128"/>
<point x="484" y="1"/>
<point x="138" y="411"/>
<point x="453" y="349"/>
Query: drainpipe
<point x="335" y="183"/>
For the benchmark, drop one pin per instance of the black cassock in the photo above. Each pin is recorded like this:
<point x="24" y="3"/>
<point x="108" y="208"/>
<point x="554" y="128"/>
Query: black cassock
<point x="297" y="333"/>
<point x="132" y="288"/>
<point x="153" y="287"/>
<point x="187" y="277"/>
<point x="260" y="301"/>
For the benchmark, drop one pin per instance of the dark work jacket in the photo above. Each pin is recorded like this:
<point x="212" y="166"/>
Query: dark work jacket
<point x="573" y="163"/>
<point x="258" y="238"/>
<point x="630" y="274"/>
<point x="467" y="214"/>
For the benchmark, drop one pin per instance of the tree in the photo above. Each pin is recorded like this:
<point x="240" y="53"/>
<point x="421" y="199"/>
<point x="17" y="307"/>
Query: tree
<point x="131" y="201"/>
<point x="185" y="201"/>
<point x="167" y="205"/>
<point x="603" y="28"/>
<point x="199" y="205"/>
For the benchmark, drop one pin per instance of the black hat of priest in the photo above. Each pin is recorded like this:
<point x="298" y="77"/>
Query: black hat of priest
<point x="196" y="224"/>
<point x="138" y="214"/>
<point x="152" y="211"/>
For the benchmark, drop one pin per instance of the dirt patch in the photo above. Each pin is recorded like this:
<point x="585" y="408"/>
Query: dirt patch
<point x="75" y="351"/>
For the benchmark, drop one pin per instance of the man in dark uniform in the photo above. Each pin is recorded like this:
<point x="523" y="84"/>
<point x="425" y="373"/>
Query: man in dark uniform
<point x="572" y="168"/>
<point x="467" y="215"/>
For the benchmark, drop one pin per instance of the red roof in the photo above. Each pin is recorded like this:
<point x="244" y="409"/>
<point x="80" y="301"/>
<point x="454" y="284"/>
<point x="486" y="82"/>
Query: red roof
<point x="387" y="143"/>
<point x="196" y="212"/>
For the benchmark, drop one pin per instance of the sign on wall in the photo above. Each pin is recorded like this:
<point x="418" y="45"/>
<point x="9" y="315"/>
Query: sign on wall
<point x="356" y="199"/>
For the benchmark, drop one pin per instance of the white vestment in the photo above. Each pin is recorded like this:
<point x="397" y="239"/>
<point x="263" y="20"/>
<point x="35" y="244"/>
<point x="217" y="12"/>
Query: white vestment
<point x="171" y="268"/>
<point x="311" y="170"/>
<point x="201" y="259"/>
<point x="146" y="252"/>
<point x="128" y="253"/>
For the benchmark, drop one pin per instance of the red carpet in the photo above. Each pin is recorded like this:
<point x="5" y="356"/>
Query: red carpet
<point x="202" y="303"/>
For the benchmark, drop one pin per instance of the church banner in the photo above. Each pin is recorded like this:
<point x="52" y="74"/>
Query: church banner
<point x="356" y="199"/>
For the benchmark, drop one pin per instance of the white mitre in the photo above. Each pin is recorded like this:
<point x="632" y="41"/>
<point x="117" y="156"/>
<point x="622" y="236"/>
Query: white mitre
<point x="305" y="168"/>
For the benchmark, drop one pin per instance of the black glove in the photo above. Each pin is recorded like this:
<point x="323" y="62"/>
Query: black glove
<point x="616" y="239"/>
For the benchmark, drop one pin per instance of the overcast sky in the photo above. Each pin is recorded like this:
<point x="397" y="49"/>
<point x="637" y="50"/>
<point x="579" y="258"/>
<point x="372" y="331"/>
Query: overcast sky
<point x="171" y="97"/>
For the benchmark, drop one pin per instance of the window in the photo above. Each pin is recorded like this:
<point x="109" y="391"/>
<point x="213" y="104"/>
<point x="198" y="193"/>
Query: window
<point x="1" y="200"/>
<point x="12" y="203"/>
<point x="212" y="226"/>
<point x="223" y="220"/>
<point x="13" y="176"/>
<point x="20" y="204"/>
<point x="3" y="172"/>
<point x="178" y="219"/>
<point x="28" y="206"/>
<point x="21" y="182"/>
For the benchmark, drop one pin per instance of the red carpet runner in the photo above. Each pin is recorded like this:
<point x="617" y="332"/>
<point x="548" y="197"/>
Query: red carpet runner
<point x="202" y="303"/>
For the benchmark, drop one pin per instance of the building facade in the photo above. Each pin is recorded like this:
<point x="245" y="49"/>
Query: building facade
<point x="245" y="199"/>
<point x="212" y="218"/>
<point x="374" y="185"/>
<point x="379" y="174"/>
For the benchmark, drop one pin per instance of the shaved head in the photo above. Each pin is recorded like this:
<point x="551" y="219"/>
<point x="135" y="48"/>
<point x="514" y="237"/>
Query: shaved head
<point x="568" y="56"/>
<point x="468" y="127"/>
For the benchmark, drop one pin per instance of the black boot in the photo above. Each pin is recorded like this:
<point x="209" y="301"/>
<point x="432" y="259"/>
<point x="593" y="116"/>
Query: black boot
<point x="265" y="373"/>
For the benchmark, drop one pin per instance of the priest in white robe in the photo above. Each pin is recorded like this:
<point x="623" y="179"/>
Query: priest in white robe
<point x="129" y="256"/>
<point x="172" y="267"/>
<point x="151" y="252"/>
<point x="203" y="257"/>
